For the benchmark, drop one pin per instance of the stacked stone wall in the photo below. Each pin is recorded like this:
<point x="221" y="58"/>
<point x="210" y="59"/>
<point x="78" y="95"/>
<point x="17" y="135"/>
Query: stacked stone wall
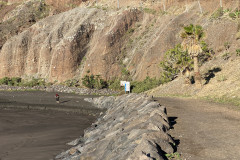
<point x="134" y="127"/>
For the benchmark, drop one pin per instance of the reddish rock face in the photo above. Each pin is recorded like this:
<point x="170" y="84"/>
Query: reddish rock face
<point x="14" y="1"/>
<point x="62" y="5"/>
<point x="55" y="47"/>
<point x="70" y="44"/>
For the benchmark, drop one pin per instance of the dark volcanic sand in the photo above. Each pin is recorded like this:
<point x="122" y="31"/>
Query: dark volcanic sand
<point x="39" y="134"/>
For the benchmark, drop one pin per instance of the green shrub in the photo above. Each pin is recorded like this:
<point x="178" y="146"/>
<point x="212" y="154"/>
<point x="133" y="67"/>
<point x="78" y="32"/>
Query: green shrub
<point x="99" y="82"/>
<point x="88" y="81"/>
<point x="17" y="81"/>
<point x="114" y="84"/>
<point x="147" y="84"/>
<point x="71" y="83"/>
<point x="126" y="74"/>
<point x="226" y="10"/>
<point x="175" y="60"/>
<point x="94" y="82"/>
<point x="207" y="53"/>
<point x="173" y="156"/>
<point x="232" y="15"/>
<point x="4" y="81"/>
<point x="14" y="81"/>
<point x="34" y="82"/>
<point x="238" y="52"/>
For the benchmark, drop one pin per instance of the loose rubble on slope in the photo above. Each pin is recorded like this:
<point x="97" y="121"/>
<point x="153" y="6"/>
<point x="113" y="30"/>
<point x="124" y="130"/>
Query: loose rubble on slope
<point x="133" y="128"/>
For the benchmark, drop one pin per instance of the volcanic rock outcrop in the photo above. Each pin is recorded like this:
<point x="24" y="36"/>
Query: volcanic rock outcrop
<point x="134" y="128"/>
<point x="54" y="48"/>
<point x="14" y="18"/>
<point x="105" y="41"/>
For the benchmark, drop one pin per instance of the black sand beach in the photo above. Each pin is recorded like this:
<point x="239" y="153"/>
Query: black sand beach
<point x="41" y="134"/>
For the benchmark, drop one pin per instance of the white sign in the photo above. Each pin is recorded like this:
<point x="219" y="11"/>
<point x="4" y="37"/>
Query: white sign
<point x="127" y="86"/>
<point x="122" y="83"/>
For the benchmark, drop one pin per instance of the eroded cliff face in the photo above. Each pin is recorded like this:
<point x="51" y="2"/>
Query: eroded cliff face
<point x="54" y="48"/>
<point x="16" y="18"/>
<point x="106" y="41"/>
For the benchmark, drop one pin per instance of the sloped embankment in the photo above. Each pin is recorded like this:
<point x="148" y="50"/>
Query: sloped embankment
<point x="134" y="127"/>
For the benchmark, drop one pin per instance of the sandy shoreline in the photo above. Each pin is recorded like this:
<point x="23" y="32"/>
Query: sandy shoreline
<point x="40" y="134"/>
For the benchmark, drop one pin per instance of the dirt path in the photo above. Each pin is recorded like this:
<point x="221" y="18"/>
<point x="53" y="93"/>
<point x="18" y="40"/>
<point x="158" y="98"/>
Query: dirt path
<point x="204" y="130"/>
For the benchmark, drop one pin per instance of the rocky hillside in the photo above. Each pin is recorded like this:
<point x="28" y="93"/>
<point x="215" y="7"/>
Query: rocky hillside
<point x="98" y="37"/>
<point x="221" y="83"/>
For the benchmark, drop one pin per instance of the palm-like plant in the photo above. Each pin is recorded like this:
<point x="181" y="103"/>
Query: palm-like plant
<point x="191" y="35"/>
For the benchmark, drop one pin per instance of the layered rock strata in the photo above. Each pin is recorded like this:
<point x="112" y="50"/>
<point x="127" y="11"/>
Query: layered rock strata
<point x="14" y="19"/>
<point x="103" y="40"/>
<point x="133" y="128"/>
<point x="63" y="46"/>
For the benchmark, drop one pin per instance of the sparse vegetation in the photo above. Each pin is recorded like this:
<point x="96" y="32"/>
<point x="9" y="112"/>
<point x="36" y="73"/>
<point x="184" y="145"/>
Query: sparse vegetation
<point x="235" y="15"/>
<point x="17" y="81"/>
<point x="207" y="52"/>
<point x="94" y="81"/>
<point x="217" y="14"/>
<point x="71" y="83"/>
<point x="175" y="61"/>
<point x="3" y="3"/>
<point x="173" y="156"/>
<point x="114" y="84"/>
<point x="237" y="52"/>
<point x="224" y="100"/>
<point x="227" y="45"/>
<point x="147" y="84"/>
<point x="33" y="82"/>
<point x="149" y="10"/>
<point x="221" y="78"/>
<point x="226" y="55"/>
<point x="71" y="5"/>
<point x="130" y="31"/>
<point x="100" y="7"/>
<point x="41" y="11"/>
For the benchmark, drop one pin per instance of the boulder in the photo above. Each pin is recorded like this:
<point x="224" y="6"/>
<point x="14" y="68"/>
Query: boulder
<point x="134" y="127"/>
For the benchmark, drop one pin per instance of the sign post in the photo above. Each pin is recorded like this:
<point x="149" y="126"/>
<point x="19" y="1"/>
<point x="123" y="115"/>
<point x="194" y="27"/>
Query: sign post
<point x="127" y="87"/>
